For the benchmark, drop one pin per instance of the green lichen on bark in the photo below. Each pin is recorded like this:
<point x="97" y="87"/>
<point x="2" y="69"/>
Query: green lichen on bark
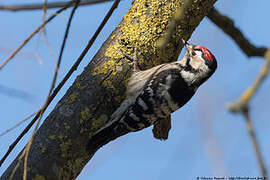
<point x="99" y="90"/>
<point x="142" y="27"/>
<point x="72" y="98"/>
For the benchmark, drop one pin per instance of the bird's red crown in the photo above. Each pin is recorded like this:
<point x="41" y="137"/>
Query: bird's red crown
<point x="206" y="53"/>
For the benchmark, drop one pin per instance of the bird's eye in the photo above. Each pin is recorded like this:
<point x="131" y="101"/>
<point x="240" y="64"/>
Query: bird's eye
<point x="193" y="53"/>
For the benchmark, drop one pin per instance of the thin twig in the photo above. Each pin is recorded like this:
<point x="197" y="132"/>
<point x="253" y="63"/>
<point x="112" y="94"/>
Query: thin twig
<point x="28" y="146"/>
<point x="18" y="124"/>
<point x="17" y="165"/>
<point x="60" y="85"/>
<point x="11" y="147"/>
<point x="242" y="104"/>
<point x="255" y="143"/>
<point x="42" y="31"/>
<point x="227" y="25"/>
<point x="44" y="8"/>
<point x="27" y="149"/>
<point x="39" y="6"/>
<point x="34" y="32"/>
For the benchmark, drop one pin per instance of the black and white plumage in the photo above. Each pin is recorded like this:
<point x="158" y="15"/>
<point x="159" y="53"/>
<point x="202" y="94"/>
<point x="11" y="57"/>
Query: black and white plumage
<point x="154" y="94"/>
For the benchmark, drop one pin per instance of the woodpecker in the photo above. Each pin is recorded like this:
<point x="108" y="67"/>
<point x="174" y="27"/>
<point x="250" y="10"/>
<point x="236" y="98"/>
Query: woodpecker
<point x="153" y="94"/>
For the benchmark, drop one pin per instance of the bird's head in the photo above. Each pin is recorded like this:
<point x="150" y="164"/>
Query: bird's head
<point x="199" y="60"/>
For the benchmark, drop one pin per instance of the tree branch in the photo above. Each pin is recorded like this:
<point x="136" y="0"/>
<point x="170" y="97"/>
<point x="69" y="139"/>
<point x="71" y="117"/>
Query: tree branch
<point x="242" y="104"/>
<point x="61" y="84"/>
<point x="228" y="27"/>
<point x="59" y="148"/>
<point x="28" y="146"/>
<point x="39" y="6"/>
<point x="255" y="144"/>
<point x="33" y="33"/>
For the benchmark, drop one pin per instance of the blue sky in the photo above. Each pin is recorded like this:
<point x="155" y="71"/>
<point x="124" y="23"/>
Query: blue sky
<point x="205" y="139"/>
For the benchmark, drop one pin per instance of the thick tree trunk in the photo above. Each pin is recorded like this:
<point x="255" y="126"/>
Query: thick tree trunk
<point x="59" y="147"/>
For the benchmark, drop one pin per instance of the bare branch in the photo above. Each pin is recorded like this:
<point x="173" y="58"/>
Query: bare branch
<point x="242" y="106"/>
<point x="227" y="25"/>
<point x="34" y="32"/>
<point x="18" y="124"/>
<point x="89" y="101"/>
<point x="255" y="143"/>
<point x="61" y="84"/>
<point x="27" y="149"/>
<point x="40" y="6"/>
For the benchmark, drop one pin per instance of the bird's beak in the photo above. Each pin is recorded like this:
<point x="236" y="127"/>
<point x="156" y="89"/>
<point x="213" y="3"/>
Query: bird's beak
<point x="188" y="46"/>
<point x="185" y="42"/>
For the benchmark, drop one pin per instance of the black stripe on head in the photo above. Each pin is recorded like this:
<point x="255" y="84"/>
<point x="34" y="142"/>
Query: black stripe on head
<point x="189" y="68"/>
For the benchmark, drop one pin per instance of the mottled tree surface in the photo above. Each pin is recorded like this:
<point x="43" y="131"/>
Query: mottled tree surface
<point x="59" y="148"/>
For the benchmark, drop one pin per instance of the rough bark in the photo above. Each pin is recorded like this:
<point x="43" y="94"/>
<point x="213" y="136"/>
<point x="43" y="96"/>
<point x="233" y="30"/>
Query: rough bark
<point x="59" y="147"/>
